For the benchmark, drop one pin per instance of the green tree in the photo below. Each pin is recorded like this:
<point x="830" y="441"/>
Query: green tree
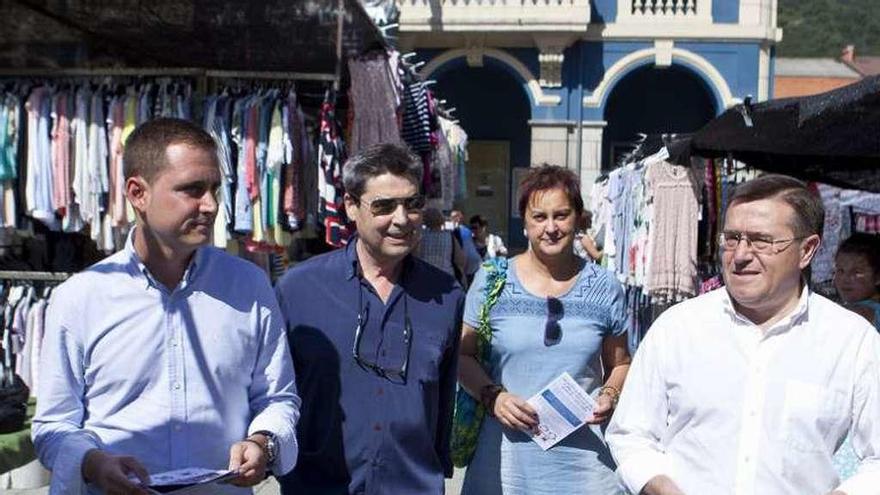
<point x="821" y="28"/>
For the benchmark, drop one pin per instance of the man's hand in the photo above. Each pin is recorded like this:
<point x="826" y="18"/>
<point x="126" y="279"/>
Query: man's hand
<point x="110" y="473"/>
<point x="515" y="413"/>
<point x="661" y="485"/>
<point x="602" y="412"/>
<point x="249" y="458"/>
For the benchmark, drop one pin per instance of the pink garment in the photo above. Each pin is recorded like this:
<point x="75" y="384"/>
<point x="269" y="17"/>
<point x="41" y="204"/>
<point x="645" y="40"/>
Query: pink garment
<point x="61" y="190"/>
<point x="673" y="236"/>
<point x="117" y="177"/>
<point x="250" y="154"/>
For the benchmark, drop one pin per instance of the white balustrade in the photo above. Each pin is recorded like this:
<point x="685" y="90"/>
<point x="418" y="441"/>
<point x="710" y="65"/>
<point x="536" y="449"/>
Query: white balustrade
<point x="494" y="15"/>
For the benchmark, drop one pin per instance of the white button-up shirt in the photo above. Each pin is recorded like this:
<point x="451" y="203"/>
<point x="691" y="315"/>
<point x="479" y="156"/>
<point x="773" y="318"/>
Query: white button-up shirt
<point x="722" y="407"/>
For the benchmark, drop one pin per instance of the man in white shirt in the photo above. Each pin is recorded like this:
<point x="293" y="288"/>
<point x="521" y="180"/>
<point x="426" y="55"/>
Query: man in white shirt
<point x="750" y="389"/>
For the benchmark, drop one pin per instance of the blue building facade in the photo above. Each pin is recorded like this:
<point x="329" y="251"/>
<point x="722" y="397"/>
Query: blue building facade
<point x="573" y="82"/>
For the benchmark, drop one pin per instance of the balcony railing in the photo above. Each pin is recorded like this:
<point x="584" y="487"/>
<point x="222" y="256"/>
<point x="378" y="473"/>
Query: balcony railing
<point x="664" y="10"/>
<point x="494" y="15"/>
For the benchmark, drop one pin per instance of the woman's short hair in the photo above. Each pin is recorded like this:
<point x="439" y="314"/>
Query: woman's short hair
<point x="547" y="177"/>
<point x="146" y="147"/>
<point x="376" y="160"/>
<point x="861" y="244"/>
<point x="809" y="215"/>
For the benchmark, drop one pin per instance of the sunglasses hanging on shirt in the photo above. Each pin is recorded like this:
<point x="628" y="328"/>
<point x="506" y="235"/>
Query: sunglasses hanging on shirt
<point x="552" y="329"/>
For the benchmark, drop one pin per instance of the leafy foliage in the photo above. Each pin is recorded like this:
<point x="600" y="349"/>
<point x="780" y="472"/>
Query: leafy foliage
<point x="821" y="28"/>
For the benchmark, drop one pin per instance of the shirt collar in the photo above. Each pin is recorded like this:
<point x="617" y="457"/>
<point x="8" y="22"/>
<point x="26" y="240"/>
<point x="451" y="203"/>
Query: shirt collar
<point x="786" y="323"/>
<point x="352" y="265"/>
<point x="140" y="269"/>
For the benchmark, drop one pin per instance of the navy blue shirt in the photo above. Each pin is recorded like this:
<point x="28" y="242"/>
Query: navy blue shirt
<point x="361" y="432"/>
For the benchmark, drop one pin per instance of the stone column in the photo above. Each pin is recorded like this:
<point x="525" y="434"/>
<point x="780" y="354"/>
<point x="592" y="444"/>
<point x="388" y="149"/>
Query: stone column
<point x="555" y="142"/>
<point x="591" y="154"/>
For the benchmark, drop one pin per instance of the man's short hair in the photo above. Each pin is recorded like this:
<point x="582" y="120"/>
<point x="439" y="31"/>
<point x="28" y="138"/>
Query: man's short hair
<point x="809" y="215"/>
<point x="145" y="149"/>
<point x="376" y="160"/>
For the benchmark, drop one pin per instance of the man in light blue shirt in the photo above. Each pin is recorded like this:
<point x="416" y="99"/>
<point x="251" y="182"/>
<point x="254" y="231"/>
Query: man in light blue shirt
<point x="169" y="354"/>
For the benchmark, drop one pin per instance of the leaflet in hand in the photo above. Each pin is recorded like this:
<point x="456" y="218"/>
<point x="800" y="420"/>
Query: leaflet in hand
<point x="562" y="407"/>
<point x="188" y="479"/>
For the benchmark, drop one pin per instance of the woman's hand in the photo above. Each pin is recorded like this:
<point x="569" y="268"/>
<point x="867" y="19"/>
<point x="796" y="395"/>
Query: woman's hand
<point x="515" y="413"/>
<point x="603" y="410"/>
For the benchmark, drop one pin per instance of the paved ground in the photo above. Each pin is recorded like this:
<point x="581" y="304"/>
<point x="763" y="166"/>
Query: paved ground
<point x="269" y="487"/>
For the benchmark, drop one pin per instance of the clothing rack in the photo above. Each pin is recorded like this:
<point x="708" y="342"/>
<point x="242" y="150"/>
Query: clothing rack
<point x="166" y="72"/>
<point x="201" y="75"/>
<point x="36" y="276"/>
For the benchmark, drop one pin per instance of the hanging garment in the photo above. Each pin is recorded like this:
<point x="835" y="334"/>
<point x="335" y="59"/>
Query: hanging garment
<point x="673" y="239"/>
<point x="330" y="190"/>
<point x="373" y="102"/>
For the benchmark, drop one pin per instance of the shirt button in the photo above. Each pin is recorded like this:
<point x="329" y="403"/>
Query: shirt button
<point x="178" y="427"/>
<point x="380" y="392"/>
<point x="176" y="386"/>
<point x="377" y="427"/>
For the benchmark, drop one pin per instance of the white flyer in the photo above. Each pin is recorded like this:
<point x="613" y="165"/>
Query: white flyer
<point x="562" y="407"/>
<point x="181" y="481"/>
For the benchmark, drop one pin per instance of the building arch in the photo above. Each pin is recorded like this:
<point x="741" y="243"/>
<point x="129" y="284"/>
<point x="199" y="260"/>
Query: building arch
<point x="695" y="63"/>
<point x="511" y="64"/>
<point x="651" y="100"/>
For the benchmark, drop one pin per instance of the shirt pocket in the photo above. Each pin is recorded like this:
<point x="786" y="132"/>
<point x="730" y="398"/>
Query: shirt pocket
<point x="811" y="416"/>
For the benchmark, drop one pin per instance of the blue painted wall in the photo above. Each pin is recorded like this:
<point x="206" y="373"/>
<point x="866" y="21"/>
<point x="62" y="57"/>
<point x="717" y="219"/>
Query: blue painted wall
<point x="725" y="11"/>
<point x="737" y="62"/>
<point x="603" y="11"/>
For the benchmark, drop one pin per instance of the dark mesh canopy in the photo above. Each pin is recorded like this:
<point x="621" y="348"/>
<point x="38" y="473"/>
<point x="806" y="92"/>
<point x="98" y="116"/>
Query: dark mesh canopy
<point x="832" y="137"/>
<point x="245" y="35"/>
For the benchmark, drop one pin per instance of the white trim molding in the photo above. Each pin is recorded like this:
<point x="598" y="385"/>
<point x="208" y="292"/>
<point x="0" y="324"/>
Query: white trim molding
<point x="649" y="55"/>
<point x="536" y="93"/>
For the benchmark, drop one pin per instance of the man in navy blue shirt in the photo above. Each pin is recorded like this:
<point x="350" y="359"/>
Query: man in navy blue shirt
<point x="374" y="333"/>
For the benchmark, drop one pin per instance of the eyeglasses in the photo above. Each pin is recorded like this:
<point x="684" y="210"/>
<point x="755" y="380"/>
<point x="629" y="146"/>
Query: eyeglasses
<point x="396" y="375"/>
<point x="730" y="239"/>
<point x="552" y="329"/>
<point x="386" y="206"/>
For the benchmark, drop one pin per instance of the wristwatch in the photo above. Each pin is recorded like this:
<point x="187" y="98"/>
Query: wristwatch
<point x="271" y="446"/>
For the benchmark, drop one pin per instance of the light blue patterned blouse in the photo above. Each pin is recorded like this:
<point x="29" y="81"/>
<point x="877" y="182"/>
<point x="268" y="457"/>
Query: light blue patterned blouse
<point x="508" y="462"/>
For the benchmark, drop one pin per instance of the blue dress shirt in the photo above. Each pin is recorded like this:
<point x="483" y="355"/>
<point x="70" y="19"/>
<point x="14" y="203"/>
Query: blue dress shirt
<point x="173" y="378"/>
<point x="362" y="433"/>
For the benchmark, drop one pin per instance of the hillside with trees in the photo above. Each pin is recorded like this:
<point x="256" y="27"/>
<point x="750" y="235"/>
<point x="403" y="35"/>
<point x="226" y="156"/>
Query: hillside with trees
<point x="821" y="28"/>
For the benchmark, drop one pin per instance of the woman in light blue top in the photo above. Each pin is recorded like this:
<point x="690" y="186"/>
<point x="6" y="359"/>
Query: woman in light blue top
<point x="556" y="314"/>
<point x="857" y="280"/>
